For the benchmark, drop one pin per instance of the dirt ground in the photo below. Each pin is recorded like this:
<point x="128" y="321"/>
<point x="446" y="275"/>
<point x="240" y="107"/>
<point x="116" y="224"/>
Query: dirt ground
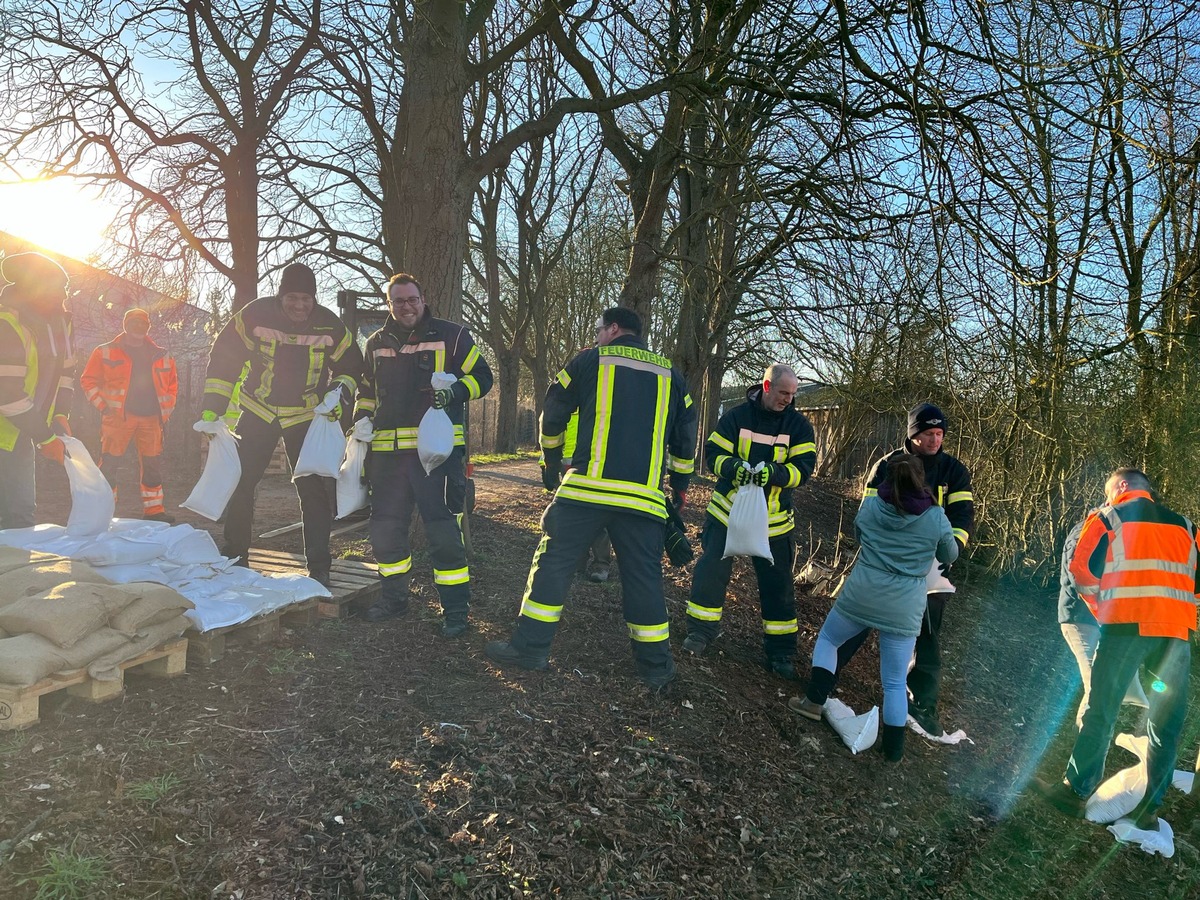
<point x="359" y="760"/>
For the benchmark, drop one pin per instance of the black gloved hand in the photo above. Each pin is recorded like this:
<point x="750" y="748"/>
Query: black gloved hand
<point x="763" y="476"/>
<point x="741" y="475"/>
<point x="551" y="476"/>
<point x="944" y="568"/>
<point x="443" y="398"/>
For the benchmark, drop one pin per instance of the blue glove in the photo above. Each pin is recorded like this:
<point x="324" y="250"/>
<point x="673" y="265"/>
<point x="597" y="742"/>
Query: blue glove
<point x="442" y="398"/>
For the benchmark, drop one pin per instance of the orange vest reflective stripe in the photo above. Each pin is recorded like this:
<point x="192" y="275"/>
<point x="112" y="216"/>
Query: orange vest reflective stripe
<point x="1149" y="575"/>
<point x="105" y="380"/>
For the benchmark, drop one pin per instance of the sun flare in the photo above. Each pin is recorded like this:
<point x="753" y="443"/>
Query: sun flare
<point x="56" y="215"/>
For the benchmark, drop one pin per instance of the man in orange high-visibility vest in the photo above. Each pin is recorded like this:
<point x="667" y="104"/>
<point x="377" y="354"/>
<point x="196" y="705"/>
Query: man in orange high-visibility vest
<point x="133" y="382"/>
<point x="1141" y="559"/>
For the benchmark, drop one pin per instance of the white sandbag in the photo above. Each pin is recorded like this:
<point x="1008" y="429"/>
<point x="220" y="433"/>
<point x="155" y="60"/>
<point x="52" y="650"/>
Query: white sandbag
<point x="222" y="472"/>
<point x="936" y="582"/>
<point x="1119" y="795"/>
<point x="435" y="434"/>
<point x="747" y="533"/>
<point x="352" y="493"/>
<point x="858" y="732"/>
<point x="92" y="500"/>
<point x="1161" y="840"/>
<point x="324" y="445"/>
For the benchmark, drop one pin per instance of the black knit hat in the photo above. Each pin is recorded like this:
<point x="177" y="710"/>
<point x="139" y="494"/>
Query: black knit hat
<point x="298" y="278"/>
<point x="925" y="416"/>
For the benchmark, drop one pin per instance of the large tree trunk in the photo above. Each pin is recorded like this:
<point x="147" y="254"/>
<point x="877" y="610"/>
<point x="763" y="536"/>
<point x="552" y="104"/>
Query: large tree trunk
<point x="241" y="209"/>
<point x="426" y="194"/>
<point x="508" y="365"/>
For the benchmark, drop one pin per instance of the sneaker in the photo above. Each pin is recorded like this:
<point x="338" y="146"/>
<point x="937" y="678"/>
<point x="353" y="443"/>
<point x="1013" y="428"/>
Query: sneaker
<point x="927" y="719"/>
<point x="697" y="644"/>
<point x="803" y="706"/>
<point x="1061" y="796"/>
<point x="782" y="667"/>
<point x="452" y="627"/>
<point x="386" y="609"/>
<point x="160" y="517"/>
<point x="506" y="654"/>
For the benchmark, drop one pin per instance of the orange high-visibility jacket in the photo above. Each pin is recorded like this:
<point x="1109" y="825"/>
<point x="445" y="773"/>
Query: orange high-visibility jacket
<point x="105" y="378"/>
<point x="1142" y="557"/>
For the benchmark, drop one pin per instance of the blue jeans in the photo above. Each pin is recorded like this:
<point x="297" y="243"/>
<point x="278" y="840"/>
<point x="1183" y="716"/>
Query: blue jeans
<point x="1167" y="660"/>
<point x="895" y="653"/>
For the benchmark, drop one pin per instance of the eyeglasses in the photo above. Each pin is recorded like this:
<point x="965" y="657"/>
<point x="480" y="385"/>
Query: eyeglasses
<point x="404" y="301"/>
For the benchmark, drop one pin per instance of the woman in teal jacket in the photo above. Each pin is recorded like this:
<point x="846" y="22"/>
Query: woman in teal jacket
<point x="900" y="534"/>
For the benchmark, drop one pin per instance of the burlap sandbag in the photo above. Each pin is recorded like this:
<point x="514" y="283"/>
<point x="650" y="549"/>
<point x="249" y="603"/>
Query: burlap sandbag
<point x="16" y="558"/>
<point x="107" y="667"/>
<point x="28" y="658"/>
<point x="44" y="575"/>
<point x="154" y="604"/>
<point x="66" y="613"/>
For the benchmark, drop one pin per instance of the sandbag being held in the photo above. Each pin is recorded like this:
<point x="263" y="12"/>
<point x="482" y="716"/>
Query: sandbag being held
<point x="222" y="471"/>
<point x="435" y="434"/>
<point x="324" y="445"/>
<point x="747" y="532"/>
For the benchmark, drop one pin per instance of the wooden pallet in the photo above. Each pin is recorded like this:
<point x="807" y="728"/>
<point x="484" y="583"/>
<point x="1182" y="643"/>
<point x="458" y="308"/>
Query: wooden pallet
<point x="19" y="705"/>
<point x="207" y="647"/>
<point x="354" y="584"/>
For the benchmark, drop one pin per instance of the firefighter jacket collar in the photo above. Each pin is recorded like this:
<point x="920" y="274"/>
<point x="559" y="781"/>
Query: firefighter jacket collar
<point x="755" y="395"/>
<point x="398" y="331"/>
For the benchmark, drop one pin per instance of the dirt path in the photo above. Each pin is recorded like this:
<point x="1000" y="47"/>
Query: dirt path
<point x="359" y="760"/>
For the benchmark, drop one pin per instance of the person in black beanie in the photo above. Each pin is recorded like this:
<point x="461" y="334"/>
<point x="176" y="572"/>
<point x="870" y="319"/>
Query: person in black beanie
<point x="293" y="352"/>
<point x="949" y="482"/>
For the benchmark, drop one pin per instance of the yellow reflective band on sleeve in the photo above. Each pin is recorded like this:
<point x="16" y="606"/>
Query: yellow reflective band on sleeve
<point x="396" y="568"/>
<point x="551" y="441"/>
<point x="681" y="465"/>
<point x="795" y="476"/>
<point x="217" y="386"/>
<point x="346" y="380"/>
<point x="563" y="378"/>
<point x="472" y="384"/>
<point x="704" y="613"/>
<point x="649" y="634"/>
<point x="687" y="401"/>
<point x="797" y="449"/>
<point x="365" y="404"/>
<point x="451" y="576"/>
<point x="469" y="362"/>
<point x="959" y="496"/>
<point x="723" y="442"/>
<point x="780" y="627"/>
<point x="961" y="534"/>
<point x="870" y="492"/>
<point x="540" y="612"/>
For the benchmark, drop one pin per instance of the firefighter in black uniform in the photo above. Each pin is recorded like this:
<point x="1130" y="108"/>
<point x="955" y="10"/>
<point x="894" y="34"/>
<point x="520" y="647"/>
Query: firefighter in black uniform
<point x="635" y="420"/>
<point x="767" y="429"/>
<point x="292" y="352"/>
<point x="949" y="482"/>
<point x="401" y="358"/>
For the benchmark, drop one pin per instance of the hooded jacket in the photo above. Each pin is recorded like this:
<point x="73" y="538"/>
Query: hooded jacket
<point x="886" y="587"/>
<point x="949" y="483"/>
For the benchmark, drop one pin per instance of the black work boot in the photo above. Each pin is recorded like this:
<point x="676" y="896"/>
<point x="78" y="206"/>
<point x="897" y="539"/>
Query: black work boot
<point x="393" y="599"/>
<point x="506" y="654"/>
<point x="893" y="742"/>
<point x="781" y="666"/>
<point x="454" y="624"/>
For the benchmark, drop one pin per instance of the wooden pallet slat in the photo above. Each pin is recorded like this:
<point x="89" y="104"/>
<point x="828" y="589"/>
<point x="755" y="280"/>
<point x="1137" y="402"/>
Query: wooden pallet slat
<point x="353" y="583"/>
<point x="20" y="706"/>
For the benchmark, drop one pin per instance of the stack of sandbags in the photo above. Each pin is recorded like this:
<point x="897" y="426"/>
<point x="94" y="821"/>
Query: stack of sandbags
<point x="59" y="615"/>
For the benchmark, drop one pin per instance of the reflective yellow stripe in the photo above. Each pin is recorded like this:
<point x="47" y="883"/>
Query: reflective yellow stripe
<point x="620" y="501"/>
<point x="797" y="449"/>
<point x="563" y="378"/>
<point x="959" y="496"/>
<point x="743" y="443"/>
<point x="721" y="441"/>
<point x="550" y="441"/>
<point x="649" y="634"/>
<point x="961" y="534"/>
<point x="795" y="476"/>
<point x="658" y="442"/>
<point x="687" y="401"/>
<point x="472" y="358"/>
<point x="217" y="386"/>
<point x="780" y="627"/>
<point x="451" y="576"/>
<point x="540" y="612"/>
<point x="870" y="492"/>
<point x="365" y="405"/>
<point x="604" y="392"/>
<point x="396" y="568"/>
<point x="680" y="465"/>
<point x="613" y="485"/>
<point x="704" y="613"/>
<point x="472" y="384"/>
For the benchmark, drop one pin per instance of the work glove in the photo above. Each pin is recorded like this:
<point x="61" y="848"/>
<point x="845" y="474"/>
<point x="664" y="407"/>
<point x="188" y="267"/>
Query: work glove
<point x="944" y="568"/>
<point x="552" y="469"/>
<point x="60" y="425"/>
<point x="763" y="476"/>
<point x="53" y="448"/>
<point x="208" y="416"/>
<point x="442" y="398"/>
<point x="741" y="475"/>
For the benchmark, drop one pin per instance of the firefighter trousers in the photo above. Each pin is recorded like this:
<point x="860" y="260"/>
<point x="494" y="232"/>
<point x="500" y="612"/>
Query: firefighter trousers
<point x="317" y="497"/>
<point x="18" y="497"/>
<point x="398" y="485"/>
<point x="117" y="432"/>
<point x="776" y="593"/>
<point x="568" y="530"/>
